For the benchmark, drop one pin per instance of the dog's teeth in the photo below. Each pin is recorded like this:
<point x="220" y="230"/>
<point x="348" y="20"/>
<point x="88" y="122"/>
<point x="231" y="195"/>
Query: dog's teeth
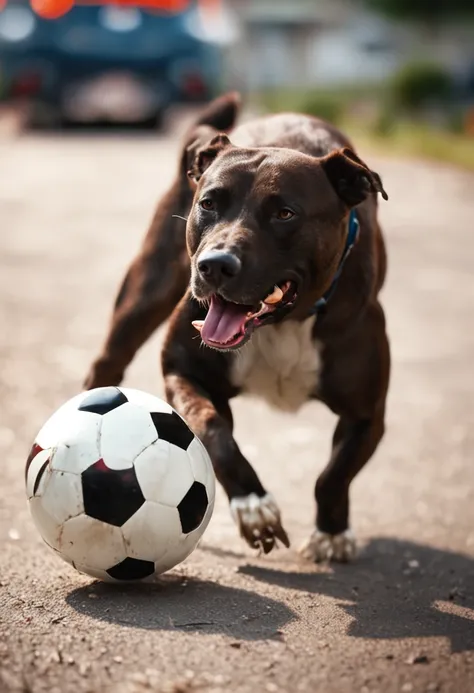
<point x="198" y="324"/>
<point x="274" y="297"/>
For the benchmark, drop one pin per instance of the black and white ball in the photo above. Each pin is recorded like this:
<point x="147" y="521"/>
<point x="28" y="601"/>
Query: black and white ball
<point x="118" y="485"/>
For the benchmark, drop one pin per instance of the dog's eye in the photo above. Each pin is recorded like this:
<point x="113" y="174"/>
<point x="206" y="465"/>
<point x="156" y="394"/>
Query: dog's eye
<point x="207" y="204"/>
<point x="285" y="214"/>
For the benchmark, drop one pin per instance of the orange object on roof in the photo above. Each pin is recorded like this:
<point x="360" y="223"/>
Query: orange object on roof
<point x="51" y="9"/>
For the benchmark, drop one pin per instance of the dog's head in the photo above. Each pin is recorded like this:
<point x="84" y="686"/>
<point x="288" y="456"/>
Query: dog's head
<point x="266" y="232"/>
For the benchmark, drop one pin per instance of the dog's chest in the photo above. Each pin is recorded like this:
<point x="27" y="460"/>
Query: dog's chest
<point x="281" y="363"/>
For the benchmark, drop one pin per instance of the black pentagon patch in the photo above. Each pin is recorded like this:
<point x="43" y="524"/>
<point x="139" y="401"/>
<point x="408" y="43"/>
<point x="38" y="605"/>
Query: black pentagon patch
<point x="111" y="495"/>
<point x="33" y="452"/>
<point x="131" y="569"/>
<point x="102" y="400"/>
<point x="193" y="507"/>
<point x="171" y="427"/>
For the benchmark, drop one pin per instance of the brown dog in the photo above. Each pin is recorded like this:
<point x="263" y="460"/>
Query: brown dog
<point x="282" y="308"/>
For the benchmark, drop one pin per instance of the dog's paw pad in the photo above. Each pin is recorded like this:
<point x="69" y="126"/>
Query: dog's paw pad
<point x="330" y="547"/>
<point x="259" y="521"/>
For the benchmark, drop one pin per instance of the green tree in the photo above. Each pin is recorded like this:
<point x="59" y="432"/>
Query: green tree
<point x="431" y="11"/>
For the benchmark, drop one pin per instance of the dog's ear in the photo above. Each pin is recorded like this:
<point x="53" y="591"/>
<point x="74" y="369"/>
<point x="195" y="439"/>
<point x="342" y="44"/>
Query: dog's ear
<point x="204" y="156"/>
<point x="196" y="139"/>
<point x="351" y="177"/>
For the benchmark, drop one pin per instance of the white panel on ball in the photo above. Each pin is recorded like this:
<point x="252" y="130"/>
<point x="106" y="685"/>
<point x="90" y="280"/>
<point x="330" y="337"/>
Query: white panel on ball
<point x="151" y="467"/>
<point x="126" y="432"/>
<point x="51" y="433"/>
<point x="33" y="471"/>
<point x="62" y="497"/>
<point x="142" y="535"/>
<point x="94" y="572"/>
<point x="175" y="555"/>
<point x="177" y="481"/>
<point x="144" y="399"/>
<point x="198" y="461"/>
<point x="211" y="488"/>
<point x="202" y="466"/>
<point x="68" y="425"/>
<point x="181" y="549"/>
<point x="49" y="528"/>
<point x="92" y="543"/>
<point x="77" y="445"/>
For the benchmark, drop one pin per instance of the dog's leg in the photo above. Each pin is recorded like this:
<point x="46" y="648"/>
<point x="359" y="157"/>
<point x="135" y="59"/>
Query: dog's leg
<point x="153" y="285"/>
<point x="355" y="389"/>
<point x="253" y="509"/>
<point x="354" y="442"/>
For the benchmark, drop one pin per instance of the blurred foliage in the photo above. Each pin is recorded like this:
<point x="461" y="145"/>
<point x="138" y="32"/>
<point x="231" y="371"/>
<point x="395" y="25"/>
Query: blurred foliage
<point x="427" y="10"/>
<point x="329" y="107"/>
<point x="417" y="139"/>
<point x="371" y="118"/>
<point x="419" y="84"/>
<point x="326" y="105"/>
<point x="385" y="121"/>
<point x="457" y="121"/>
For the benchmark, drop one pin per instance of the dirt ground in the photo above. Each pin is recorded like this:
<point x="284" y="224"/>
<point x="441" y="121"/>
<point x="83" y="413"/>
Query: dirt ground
<point x="72" y="211"/>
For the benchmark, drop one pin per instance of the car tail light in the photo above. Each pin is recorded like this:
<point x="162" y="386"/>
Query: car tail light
<point x="26" y="84"/>
<point x="193" y="85"/>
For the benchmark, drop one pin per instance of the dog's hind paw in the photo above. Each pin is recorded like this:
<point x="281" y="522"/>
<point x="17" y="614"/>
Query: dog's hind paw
<point x="259" y="521"/>
<point x="330" y="547"/>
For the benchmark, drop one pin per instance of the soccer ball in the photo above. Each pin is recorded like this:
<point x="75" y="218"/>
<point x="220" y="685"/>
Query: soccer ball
<point x="118" y="485"/>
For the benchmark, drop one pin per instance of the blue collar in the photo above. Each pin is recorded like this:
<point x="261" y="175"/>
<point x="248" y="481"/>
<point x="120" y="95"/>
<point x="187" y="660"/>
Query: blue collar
<point x="352" y="235"/>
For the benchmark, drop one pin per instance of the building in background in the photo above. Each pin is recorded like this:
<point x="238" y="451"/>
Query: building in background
<point x="323" y="43"/>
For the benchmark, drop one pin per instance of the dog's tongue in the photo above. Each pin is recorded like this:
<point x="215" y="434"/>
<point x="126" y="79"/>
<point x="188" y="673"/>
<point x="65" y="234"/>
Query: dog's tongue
<point x="223" y="321"/>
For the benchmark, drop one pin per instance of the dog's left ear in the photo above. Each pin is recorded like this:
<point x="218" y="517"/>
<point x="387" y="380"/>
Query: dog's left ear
<point x="351" y="177"/>
<point x="206" y="155"/>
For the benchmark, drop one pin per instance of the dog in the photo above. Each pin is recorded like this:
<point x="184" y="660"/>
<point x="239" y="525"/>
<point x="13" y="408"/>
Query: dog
<point x="267" y="253"/>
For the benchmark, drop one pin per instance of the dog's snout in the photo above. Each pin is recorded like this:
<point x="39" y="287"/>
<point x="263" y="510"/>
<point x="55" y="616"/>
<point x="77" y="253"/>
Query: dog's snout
<point x="216" y="266"/>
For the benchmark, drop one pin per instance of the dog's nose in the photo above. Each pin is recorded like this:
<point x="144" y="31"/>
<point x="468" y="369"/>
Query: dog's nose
<point x="217" y="266"/>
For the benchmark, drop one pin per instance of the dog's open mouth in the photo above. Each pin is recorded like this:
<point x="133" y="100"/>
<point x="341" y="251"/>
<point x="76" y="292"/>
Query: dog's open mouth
<point x="228" y="325"/>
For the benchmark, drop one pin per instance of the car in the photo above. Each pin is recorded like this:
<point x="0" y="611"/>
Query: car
<point x="105" y="63"/>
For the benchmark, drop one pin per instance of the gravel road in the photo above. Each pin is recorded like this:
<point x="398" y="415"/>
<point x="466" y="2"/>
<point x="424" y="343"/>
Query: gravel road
<point x="401" y="619"/>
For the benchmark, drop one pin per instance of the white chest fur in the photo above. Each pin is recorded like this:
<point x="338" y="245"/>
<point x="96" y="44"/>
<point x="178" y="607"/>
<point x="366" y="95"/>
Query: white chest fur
<point x="281" y="363"/>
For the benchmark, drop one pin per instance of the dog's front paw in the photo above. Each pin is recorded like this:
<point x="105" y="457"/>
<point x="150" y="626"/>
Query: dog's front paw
<point x="259" y="521"/>
<point x="330" y="547"/>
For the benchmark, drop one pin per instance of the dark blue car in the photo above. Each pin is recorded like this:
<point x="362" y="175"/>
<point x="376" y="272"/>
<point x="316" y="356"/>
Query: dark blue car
<point x="105" y="63"/>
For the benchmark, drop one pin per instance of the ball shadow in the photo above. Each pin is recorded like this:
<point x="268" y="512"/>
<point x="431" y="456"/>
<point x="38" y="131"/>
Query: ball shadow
<point x="174" y="603"/>
<point x="395" y="589"/>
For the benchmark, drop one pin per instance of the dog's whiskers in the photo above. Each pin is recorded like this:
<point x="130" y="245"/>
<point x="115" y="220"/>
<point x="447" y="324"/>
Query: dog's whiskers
<point x="204" y="302"/>
<point x="177" y="216"/>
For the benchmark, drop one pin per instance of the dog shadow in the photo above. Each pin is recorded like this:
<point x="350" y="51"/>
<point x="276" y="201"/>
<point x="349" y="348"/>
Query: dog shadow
<point x="395" y="589"/>
<point x="184" y="604"/>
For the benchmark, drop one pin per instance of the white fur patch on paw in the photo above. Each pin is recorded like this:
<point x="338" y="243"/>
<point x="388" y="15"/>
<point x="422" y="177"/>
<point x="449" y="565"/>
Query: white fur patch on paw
<point x="330" y="547"/>
<point x="259" y="521"/>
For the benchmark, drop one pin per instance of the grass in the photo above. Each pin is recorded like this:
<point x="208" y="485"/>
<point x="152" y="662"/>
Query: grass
<point x="401" y="138"/>
<point x="418" y="140"/>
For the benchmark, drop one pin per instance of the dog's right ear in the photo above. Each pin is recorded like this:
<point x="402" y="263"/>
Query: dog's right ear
<point x="204" y="156"/>
<point x="351" y="177"/>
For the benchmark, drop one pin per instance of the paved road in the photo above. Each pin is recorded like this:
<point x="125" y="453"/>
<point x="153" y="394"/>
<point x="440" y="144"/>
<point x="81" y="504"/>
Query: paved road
<point x="72" y="210"/>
